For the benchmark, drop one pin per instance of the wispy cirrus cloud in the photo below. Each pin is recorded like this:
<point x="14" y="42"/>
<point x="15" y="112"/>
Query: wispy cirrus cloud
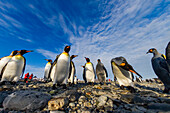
<point x="125" y="29"/>
<point x="28" y="40"/>
<point x="47" y="54"/>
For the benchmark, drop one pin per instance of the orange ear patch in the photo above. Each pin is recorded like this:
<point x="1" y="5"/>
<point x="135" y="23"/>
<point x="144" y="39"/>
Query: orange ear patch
<point x="122" y="64"/>
<point x="150" y="50"/>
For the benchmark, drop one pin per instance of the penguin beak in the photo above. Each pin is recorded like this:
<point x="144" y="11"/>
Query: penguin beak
<point x="68" y="47"/>
<point x="46" y="59"/>
<point x="29" y="51"/>
<point x="147" y="52"/>
<point x="135" y="73"/>
<point x="75" y="55"/>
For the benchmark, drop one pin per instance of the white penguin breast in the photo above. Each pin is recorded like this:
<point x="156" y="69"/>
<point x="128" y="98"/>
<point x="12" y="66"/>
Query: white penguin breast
<point x="14" y="68"/>
<point x="89" y="72"/>
<point x="62" y="68"/>
<point x="47" y="69"/>
<point x="3" y="62"/>
<point x="123" y="76"/>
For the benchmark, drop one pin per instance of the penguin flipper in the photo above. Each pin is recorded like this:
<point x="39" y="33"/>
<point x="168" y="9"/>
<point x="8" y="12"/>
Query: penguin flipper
<point x="105" y="71"/>
<point x="53" y="64"/>
<point x="84" y="76"/>
<point x="23" y="67"/>
<point x="94" y="71"/>
<point x="70" y="69"/>
<point x="3" y="69"/>
<point x="165" y="65"/>
<point x="168" y="53"/>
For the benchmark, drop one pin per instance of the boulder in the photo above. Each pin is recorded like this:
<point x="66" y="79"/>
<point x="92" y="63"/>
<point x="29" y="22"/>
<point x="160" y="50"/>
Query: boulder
<point x="159" y="106"/>
<point x="26" y="100"/>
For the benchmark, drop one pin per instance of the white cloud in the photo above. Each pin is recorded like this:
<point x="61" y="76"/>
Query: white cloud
<point x="28" y="40"/>
<point x="123" y="31"/>
<point x="47" y="54"/>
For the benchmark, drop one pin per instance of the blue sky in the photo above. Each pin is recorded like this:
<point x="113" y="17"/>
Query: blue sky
<point x="94" y="28"/>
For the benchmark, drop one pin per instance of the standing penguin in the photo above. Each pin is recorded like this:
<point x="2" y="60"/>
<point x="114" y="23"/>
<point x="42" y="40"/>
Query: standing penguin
<point x="161" y="68"/>
<point x="5" y="60"/>
<point x="88" y="73"/>
<point x="72" y="71"/>
<point x="101" y="72"/>
<point x="61" y="68"/>
<point x="15" y="67"/>
<point x="47" y="70"/>
<point x="123" y="72"/>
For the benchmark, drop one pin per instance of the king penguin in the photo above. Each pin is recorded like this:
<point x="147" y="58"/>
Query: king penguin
<point x="5" y="60"/>
<point x="123" y="72"/>
<point x="61" y="68"/>
<point x="47" y="70"/>
<point x="72" y="71"/>
<point x="15" y="67"/>
<point x="161" y="68"/>
<point x="101" y="72"/>
<point x="89" y="73"/>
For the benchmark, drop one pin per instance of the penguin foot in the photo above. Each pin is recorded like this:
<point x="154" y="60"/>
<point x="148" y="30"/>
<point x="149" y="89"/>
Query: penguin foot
<point x="13" y="83"/>
<point x="53" y="87"/>
<point x="2" y="83"/>
<point x="64" y="86"/>
<point x="132" y="90"/>
<point x="166" y="91"/>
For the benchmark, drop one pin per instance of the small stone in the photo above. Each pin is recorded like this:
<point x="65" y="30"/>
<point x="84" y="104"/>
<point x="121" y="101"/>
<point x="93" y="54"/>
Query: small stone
<point x="57" y="112"/>
<point x="88" y="104"/>
<point x="82" y="99"/>
<point x="72" y="104"/>
<point x="102" y="100"/>
<point x="57" y="103"/>
<point x="53" y="92"/>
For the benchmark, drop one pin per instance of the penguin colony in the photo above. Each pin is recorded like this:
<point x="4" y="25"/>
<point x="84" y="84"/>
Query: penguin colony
<point x="62" y="70"/>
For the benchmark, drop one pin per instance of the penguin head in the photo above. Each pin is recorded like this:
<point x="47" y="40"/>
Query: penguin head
<point x="73" y="56"/>
<point x="120" y="61"/>
<point x="67" y="48"/>
<point x="152" y="50"/>
<point x="87" y="59"/>
<point x="49" y="60"/>
<point x="22" y="52"/>
<point x="14" y="52"/>
<point x="98" y="60"/>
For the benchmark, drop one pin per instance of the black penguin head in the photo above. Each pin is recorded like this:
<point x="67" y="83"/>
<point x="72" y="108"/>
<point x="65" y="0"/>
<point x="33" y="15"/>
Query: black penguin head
<point x="87" y="59"/>
<point x="49" y="60"/>
<point x="152" y="50"/>
<point x="73" y="56"/>
<point x="98" y="60"/>
<point x="22" y="52"/>
<point x="67" y="49"/>
<point x="14" y="52"/>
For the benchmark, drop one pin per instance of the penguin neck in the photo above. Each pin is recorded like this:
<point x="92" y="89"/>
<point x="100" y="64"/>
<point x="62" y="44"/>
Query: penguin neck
<point x="155" y="53"/>
<point x="66" y="53"/>
<point x="88" y="62"/>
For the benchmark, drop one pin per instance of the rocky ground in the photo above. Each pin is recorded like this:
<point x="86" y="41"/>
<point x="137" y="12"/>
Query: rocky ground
<point x="83" y="98"/>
